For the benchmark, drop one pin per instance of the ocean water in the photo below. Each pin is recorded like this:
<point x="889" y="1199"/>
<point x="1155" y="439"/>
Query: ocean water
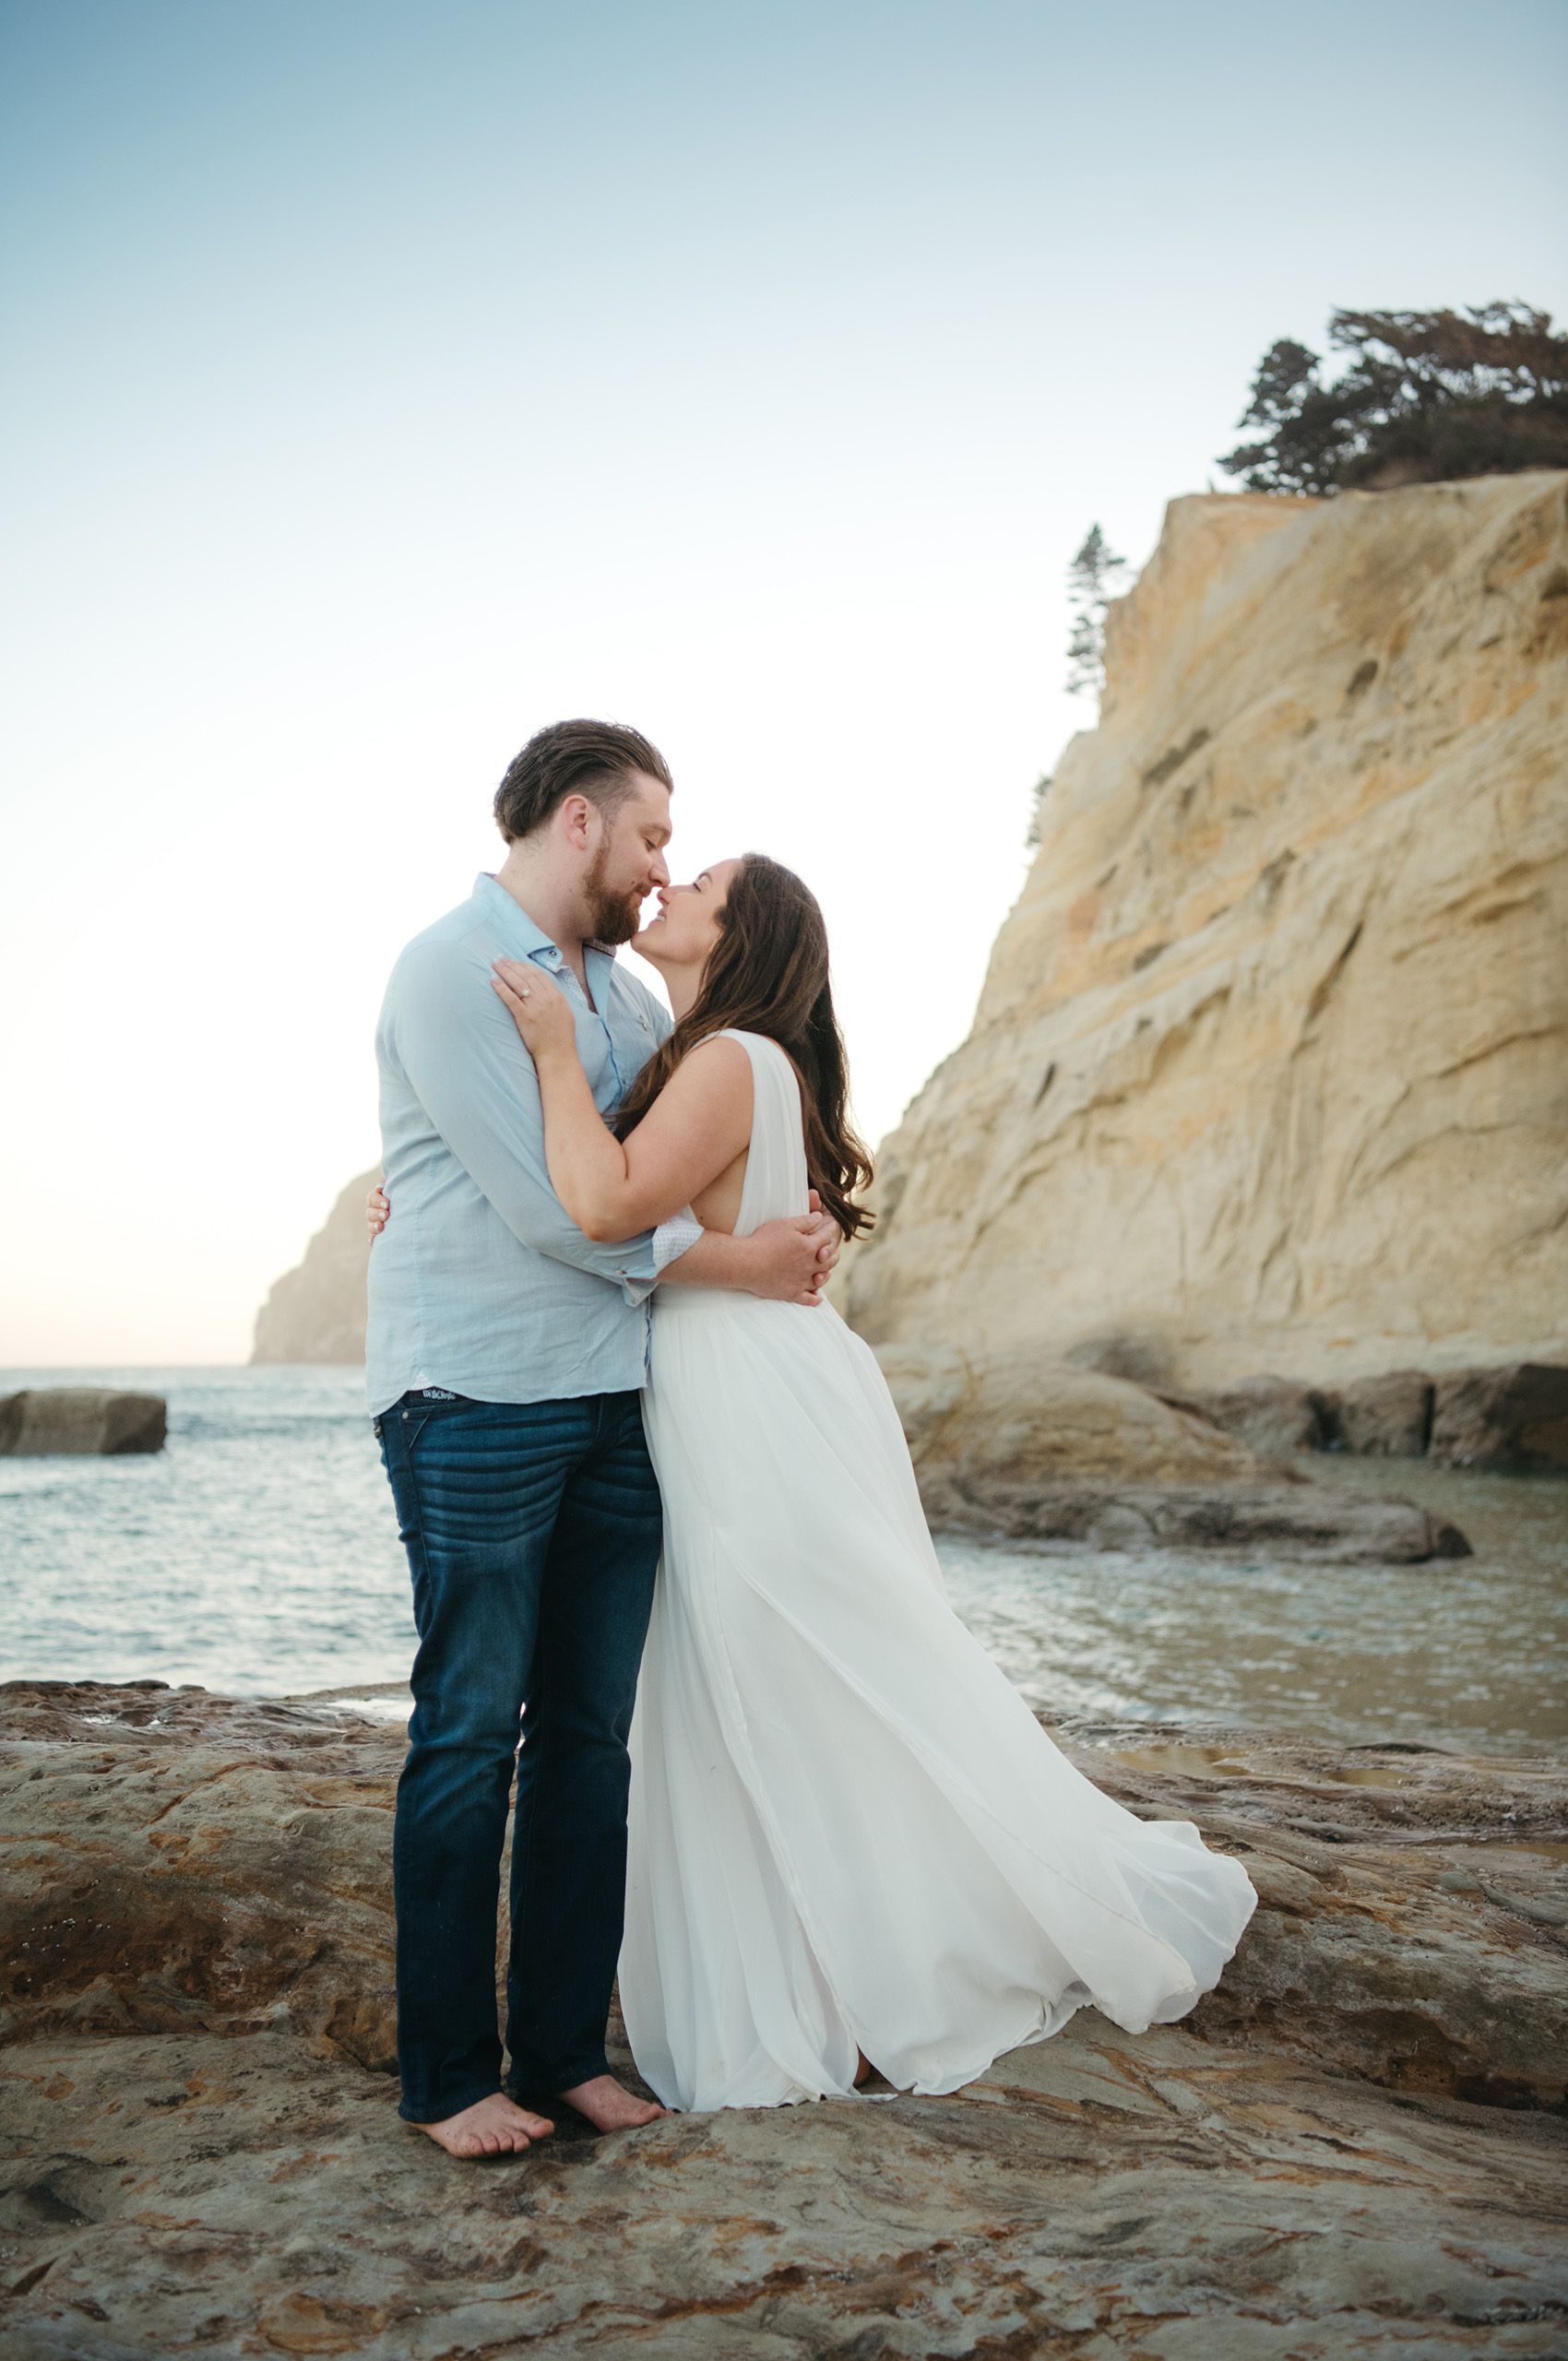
<point x="257" y="1555"/>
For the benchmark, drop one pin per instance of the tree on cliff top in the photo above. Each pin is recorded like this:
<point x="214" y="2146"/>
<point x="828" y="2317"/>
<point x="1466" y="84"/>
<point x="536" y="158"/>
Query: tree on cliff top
<point x="1428" y="396"/>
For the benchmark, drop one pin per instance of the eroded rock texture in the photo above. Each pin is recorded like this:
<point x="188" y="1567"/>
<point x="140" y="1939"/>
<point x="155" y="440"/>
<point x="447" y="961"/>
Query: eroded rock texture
<point x="175" y="1859"/>
<point x="1350" y="2147"/>
<point x="1270" y="1069"/>
<point x="1007" y="1442"/>
<point x="1502" y="1417"/>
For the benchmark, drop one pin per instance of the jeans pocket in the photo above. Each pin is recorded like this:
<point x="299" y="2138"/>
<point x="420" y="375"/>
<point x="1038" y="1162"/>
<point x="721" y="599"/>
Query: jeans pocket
<point x="414" y="1417"/>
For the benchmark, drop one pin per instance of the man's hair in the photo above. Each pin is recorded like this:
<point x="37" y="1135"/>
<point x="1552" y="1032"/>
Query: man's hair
<point x="592" y="758"/>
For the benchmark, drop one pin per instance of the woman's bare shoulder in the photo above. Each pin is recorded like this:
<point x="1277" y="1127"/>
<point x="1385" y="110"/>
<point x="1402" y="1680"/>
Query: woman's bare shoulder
<point x="731" y="1046"/>
<point x="718" y="1063"/>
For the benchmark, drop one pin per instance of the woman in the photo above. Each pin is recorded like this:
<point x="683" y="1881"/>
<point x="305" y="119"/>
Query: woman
<point x="851" y="1841"/>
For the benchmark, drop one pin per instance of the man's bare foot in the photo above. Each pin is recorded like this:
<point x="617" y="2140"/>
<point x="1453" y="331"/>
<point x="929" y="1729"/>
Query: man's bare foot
<point x="864" y="2070"/>
<point x="611" y="2108"/>
<point x="492" y="2127"/>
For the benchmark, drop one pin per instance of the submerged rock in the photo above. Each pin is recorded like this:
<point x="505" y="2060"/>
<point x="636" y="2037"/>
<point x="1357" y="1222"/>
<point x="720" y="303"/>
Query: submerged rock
<point x="1289" y="1520"/>
<point x="1011" y="1443"/>
<point x="77" y="1420"/>
<point x="1348" y="2147"/>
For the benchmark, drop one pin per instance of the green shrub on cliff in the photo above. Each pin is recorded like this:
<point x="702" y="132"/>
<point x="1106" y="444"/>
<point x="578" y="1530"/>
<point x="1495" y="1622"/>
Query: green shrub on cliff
<point x="1427" y="396"/>
<point x="1037" y="794"/>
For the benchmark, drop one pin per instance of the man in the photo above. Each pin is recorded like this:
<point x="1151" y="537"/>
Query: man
<point x="504" y="1355"/>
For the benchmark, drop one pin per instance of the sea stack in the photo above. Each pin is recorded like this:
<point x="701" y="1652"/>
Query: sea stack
<point x="316" y="1312"/>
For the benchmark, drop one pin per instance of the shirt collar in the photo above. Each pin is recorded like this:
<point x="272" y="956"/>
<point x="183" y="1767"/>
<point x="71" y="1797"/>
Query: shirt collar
<point x="523" y="938"/>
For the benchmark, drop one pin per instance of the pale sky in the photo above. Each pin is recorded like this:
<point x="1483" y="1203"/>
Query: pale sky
<point x="385" y="381"/>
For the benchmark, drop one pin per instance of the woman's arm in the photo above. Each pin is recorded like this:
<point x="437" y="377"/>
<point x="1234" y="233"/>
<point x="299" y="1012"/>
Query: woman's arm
<point x="694" y="1130"/>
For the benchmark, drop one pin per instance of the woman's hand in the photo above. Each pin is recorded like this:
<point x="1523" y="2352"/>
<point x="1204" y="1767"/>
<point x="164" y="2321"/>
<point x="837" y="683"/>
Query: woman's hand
<point x="377" y="1206"/>
<point x="540" y="1009"/>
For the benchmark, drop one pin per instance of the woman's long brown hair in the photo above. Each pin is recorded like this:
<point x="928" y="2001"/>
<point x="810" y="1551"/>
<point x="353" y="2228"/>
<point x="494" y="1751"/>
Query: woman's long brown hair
<point x="768" y="973"/>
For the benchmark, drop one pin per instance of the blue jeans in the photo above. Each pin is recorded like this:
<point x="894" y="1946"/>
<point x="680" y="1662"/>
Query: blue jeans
<point x="534" y="1536"/>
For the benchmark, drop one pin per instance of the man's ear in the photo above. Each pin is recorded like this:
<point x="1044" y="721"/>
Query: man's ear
<point x="579" y="813"/>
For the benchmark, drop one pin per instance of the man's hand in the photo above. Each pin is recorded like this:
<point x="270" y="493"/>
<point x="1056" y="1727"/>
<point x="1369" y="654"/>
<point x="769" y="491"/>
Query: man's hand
<point x="830" y="1237"/>
<point x="794" y="1256"/>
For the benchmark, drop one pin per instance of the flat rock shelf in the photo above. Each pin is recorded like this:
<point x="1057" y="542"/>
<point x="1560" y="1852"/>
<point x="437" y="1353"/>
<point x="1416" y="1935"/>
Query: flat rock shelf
<point x="1355" y="2145"/>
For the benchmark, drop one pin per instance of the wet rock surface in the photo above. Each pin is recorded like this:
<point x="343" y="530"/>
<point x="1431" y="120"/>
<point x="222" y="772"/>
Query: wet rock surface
<point x="176" y="1859"/>
<point x="1383" y="1417"/>
<point x="1095" y="2196"/>
<point x="1274" y="1415"/>
<point x="1291" y="1518"/>
<point x="1355" y="2144"/>
<point x="1515" y="1417"/>
<point x="1512" y="1416"/>
<point x="1011" y="1443"/>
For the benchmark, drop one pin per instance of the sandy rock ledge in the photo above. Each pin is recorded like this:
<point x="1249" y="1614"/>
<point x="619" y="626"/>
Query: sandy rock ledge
<point x="1015" y="1443"/>
<point x="1357" y="2146"/>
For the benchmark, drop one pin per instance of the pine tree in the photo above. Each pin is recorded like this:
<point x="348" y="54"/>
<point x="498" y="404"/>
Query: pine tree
<point x="1093" y="580"/>
<point x="1037" y="799"/>
<point x="1428" y="396"/>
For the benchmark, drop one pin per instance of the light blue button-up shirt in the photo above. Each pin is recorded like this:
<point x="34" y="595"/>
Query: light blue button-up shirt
<point x="481" y="1282"/>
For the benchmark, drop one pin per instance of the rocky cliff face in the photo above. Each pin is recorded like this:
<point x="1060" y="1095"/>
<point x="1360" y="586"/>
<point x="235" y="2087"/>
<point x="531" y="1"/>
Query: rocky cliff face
<point x="1270" y="1068"/>
<point x="316" y="1312"/>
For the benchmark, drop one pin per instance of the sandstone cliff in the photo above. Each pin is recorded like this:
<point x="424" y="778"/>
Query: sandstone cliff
<point x="1270" y="1068"/>
<point x="316" y="1312"/>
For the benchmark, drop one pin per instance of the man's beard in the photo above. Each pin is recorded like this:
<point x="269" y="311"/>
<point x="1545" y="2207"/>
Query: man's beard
<point x="612" y="918"/>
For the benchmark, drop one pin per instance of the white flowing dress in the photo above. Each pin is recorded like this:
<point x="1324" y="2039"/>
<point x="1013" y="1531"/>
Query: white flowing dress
<point x="848" y="1829"/>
